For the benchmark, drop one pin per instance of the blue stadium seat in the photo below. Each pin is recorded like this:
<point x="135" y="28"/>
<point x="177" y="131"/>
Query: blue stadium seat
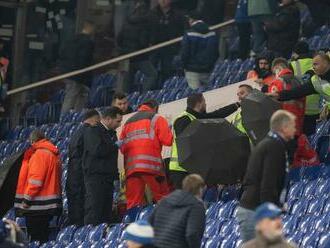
<point x="316" y="206"/>
<point x="34" y="244"/>
<point x="307" y="223"/>
<point x="296" y="238"/>
<point x="323" y="148"/>
<point x="145" y="213"/>
<point x="296" y="190"/>
<point x="229" y="242"/>
<point x="299" y="208"/>
<point x="212" y="211"/>
<point x="97" y="233"/>
<point x="65" y="236"/>
<point x="290" y="223"/>
<point x="213" y="227"/>
<point x="310" y="240"/>
<point x="310" y="189"/>
<point x="322" y="223"/>
<point x="324" y="241"/>
<point x="115" y="232"/>
<point x="81" y="233"/>
<point x="214" y="241"/>
<point x="99" y="244"/>
<point x="227" y="210"/>
<point x="326" y="208"/>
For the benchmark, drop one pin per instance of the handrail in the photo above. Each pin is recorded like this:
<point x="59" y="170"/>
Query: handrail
<point x="107" y="62"/>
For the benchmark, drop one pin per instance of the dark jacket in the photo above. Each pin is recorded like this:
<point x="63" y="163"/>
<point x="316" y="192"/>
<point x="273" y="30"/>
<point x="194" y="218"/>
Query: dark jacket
<point x="265" y="175"/>
<point x="179" y="221"/>
<point x="166" y="27"/>
<point x="100" y="152"/>
<point x="77" y="54"/>
<point x="75" y="189"/>
<point x="136" y="32"/>
<point x="185" y="5"/>
<point x="302" y="91"/>
<point x="212" y="11"/>
<point x="181" y="123"/>
<point x="199" y="50"/>
<point x="283" y="30"/>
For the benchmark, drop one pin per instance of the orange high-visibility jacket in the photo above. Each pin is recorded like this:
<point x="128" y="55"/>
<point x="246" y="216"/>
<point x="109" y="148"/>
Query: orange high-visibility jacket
<point x="142" y="139"/>
<point x="39" y="181"/>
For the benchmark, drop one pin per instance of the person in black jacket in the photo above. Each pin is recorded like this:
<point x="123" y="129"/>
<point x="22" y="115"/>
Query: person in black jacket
<point x="77" y="54"/>
<point x="100" y="166"/>
<point x="179" y="219"/>
<point x="136" y="35"/>
<point x="199" y="51"/>
<point x="266" y="171"/>
<point x="167" y="23"/>
<point x="283" y="29"/>
<point x="75" y="188"/>
<point x="196" y="107"/>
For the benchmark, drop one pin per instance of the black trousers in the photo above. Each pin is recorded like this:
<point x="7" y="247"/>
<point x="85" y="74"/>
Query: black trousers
<point x="98" y="199"/>
<point x="38" y="227"/>
<point x="244" y="32"/>
<point x="176" y="178"/>
<point x="310" y="124"/>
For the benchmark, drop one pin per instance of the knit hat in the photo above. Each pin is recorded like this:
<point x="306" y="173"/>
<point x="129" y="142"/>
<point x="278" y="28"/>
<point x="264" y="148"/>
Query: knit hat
<point x="140" y="232"/>
<point x="301" y="47"/>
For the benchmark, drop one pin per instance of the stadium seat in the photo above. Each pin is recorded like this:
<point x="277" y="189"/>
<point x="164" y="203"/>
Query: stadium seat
<point x="212" y="211"/>
<point x="213" y="227"/>
<point x="82" y="233"/>
<point x="310" y="240"/>
<point x="316" y="206"/>
<point x="97" y="233"/>
<point x="296" y="190"/>
<point x="322" y="223"/>
<point x="229" y="242"/>
<point x="324" y="241"/>
<point x="145" y="213"/>
<point x="65" y="236"/>
<point x="214" y="241"/>
<point x="299" y="208"/>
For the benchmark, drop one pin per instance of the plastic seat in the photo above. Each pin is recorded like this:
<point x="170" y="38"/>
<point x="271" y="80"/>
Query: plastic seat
<point x="326" y="208"/>
<point x="296" y="190"/>
<point x="307" y="224"/>
<point x="212" y="211"/>
<point x="81" y="233"/>
<point x="316" y="206"/>
<point x="229" y="242"/>
<point x="322" y="223"/>
<point x="299" y="208"/>
<point x="296" y="238"/>
<point x="145" y="213"/>
<point x="310" y="241"/>
<point x="323" y="148"/>
<point x="65" y="236"/>
<point x="324" y="241"/>
<point x="97" y="233"/>
<point x="115" y="232"/>
<point x="290" y="223"/>
<point x="213" y="242"/>
<point x="99" y="244"/>
<point x="213" y="227"/>
<point x="227" y="210"/>
<point x="227" y="228"/>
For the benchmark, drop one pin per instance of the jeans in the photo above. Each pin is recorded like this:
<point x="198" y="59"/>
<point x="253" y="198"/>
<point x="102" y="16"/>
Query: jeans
<point x="196" y="80"/>
<point x="246" y="223"/>
<point x="76" y="96"/>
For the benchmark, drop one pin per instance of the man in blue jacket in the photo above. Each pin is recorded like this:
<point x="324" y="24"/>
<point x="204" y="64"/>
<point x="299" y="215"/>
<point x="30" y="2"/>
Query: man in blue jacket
<point x="199" y="51"/>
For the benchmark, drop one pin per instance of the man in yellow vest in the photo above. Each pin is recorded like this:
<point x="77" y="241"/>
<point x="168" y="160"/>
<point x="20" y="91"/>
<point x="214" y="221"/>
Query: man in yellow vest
<point x="243" y="91"/>
<point x="302" y="65"/>
<point x="196" y="109"/>
<point x="318" y="84"/>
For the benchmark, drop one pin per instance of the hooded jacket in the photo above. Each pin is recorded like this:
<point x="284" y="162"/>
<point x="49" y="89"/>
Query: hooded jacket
<point x="199" y="48"/>
<point x="39" y="181"/>
<point x="179" y="221"/>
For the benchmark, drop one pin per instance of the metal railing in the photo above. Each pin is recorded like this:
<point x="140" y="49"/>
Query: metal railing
<point x="106" y="63"/>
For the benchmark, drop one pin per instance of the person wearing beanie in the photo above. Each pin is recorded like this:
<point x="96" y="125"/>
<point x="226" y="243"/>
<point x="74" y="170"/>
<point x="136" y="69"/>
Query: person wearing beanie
<point x="302" y="66"/>
<point x="75" y="183"/>
<point x="139" y="235"/>
<point x="268" y="228"/>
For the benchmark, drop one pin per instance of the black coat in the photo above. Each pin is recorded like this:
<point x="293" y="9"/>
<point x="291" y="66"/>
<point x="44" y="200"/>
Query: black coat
<point x="283" y="30"/>
<point x="75" y="181"/>
<point x="265" y="175"/>
<point x="178" y="221"/>
<point x="100" y="152"/>
<point x="136" y="32"/>
<point x="77" y="54"/>
<point x="9" y="173"/>
<point x="166" y="27"/>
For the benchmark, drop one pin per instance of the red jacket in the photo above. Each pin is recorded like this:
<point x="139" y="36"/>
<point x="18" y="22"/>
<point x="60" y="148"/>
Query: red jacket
<point x="39" y="181"/>
<point x="285" y="81"/>
<point x="142" y="139"/>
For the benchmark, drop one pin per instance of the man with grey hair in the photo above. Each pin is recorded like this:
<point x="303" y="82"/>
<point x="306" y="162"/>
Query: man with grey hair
<point x="266" y="171"/>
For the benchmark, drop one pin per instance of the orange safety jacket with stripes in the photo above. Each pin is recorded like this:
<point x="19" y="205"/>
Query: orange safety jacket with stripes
<point x="142" y="138"/>
<point x="39" y="181"/>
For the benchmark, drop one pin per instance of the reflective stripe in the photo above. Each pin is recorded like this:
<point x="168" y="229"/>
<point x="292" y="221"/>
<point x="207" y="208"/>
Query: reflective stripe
<point x="174" y="160"/>
<point x="144" y="166"/>
<point x="38" y="198"/>
<point x="144" y="157"/>
<point x="36" y="182"/>
<point x="38" y="207"/>
<point x="298" y="69"/>
<point x="194" y="34"/>
<point x="136" y="137"/>
<point x="136" y="132"/>
<point x="152" y="126"/>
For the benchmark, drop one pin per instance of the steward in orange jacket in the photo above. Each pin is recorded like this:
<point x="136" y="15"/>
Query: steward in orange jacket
<point x="142" y="139"/>
<point x="38" y="193"/>
<point x="285" y="80"/>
